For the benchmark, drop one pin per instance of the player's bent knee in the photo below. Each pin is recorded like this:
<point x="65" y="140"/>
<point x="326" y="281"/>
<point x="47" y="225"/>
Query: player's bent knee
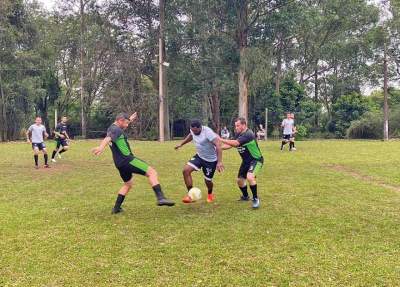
<point x="251" y="177"/>
<point x="151" y="172"/>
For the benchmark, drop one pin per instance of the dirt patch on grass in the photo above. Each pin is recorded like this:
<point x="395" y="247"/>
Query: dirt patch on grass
<point x="366" y="178"/>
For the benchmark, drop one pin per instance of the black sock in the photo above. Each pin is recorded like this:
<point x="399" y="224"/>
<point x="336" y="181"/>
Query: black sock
<point x="283" y="143"/>
<point x="292" y="144"/>
<point x="189" y="187"/>
<point x="53" y="155"/>
<point x="61" y="151"/>
<point x="158" y="191"/>
<point x="254" y="190"/>
<point x="36" y="157"/>
<point x="45" y="158"/>
<point x="119" y="201"/>
<point x="244" y="191"/>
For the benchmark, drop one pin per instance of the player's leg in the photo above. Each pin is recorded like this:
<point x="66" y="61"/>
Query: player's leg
<point x="42" y="147"/>
<point x="292" y="143"/>
<point x="194" y="164"/>
<point x="284" y="141"/>
<point x="140" y="167"/>
<point x="254" y="169"/>
<point x="53" y="155"/>
<point x="35" y="149"/>
<point x="126" y="176"/>
<point x="64" y="145"/>
<point x="241" y="181"/>
<point x="209" y="171"/>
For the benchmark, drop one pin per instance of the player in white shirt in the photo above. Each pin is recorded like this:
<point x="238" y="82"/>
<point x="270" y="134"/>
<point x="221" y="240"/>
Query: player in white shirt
<point x="288" y="130"/>
<point x="35" y="135"/>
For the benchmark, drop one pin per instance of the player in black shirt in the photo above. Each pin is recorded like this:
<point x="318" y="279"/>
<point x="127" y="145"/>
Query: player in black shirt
<point x="126" y="163"/>
<point x="61" y="137"/>
<point x="252" y="159"/>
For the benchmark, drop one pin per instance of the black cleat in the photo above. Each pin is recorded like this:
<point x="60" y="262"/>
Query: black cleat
<point x="115" y="211"/>
<point x="244" y="198"/>
<point x="46" y="166"/>
<point x="165" y="201"/>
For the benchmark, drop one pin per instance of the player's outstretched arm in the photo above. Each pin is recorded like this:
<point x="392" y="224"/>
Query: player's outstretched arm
<point x="231" y="143"/>
<point x="218" y="147"/>
<point x="186" y="140"/>
<point x="98" y="150"/>
<point x="133" y="117"/>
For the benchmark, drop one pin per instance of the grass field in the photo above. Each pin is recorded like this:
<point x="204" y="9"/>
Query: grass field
<point x="330" y="216"/>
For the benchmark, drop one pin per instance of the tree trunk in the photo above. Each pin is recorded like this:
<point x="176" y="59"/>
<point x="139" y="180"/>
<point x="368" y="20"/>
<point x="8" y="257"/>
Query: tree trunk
<point x="4" y="124"/>
<point x="278" y="70"/>
<point x="385" y="97"/>
<point x="83" y="116"/>
<point x="316" y="89"/>
<point x="243" y="77"/>
<point x="214" y="100"/>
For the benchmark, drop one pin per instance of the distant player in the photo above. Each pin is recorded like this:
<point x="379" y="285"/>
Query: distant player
<point x="208" y="157"/>
<point x="35" y="135"/>
<point x="287" y="126"/>
<point x="126" y="163"/>
<point x="252" y="159"/>
<point x="61" y="137"/>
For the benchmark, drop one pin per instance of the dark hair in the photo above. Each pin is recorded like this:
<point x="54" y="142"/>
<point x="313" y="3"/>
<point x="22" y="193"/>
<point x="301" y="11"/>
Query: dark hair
<point x="241" y="120"/>
<point x="38" y="117"/>
<point x="121" y="116"/>
<point x="195" y="124"/>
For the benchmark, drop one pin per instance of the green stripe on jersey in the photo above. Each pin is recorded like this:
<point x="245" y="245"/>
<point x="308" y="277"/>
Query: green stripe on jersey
<point x="258" y="167"/>
<point x="253" y="149"/>
<point x="122" y="145"/>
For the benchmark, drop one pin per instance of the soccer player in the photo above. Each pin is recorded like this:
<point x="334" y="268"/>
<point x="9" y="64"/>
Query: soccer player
<point x="35" y="135"/>
<point x="252" y="159"/>
<point x="126" y="163"/>
<point x="62" y="138"/>
<point x="287" y="125"/>
<point x="208" y="157"/>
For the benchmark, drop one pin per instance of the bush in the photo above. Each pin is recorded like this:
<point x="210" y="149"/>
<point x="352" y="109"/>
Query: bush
<point x="302" y="132"/>
<point x="370" y="126"/>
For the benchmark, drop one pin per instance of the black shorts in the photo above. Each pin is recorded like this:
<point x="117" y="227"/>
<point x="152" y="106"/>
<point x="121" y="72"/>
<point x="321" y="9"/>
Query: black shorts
<point x="208" y="167"/>
<point x="253" y="167"/>
<point x="287" y="137"/>
<point x="39" y="146"/>
<point x="136" y="166"/>
<point x="61" y="142"/>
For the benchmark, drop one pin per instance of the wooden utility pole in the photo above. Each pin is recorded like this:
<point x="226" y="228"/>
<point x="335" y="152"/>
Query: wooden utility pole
<point x="242" y="41"/>
<point x="164" y="129"/>
<point x="385" y="95"/>
<point x="82" y="27"/>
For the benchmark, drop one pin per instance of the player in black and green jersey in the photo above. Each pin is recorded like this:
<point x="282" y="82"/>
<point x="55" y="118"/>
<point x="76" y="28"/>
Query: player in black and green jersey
<point x="126" y="163"/>
<point x="61" y="137"/>
<point x="252" y="159"/>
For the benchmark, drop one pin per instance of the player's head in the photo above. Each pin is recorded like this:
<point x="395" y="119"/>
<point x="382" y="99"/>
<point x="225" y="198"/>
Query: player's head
<point x="288" y="115"/>
<point x="64" y="119"/>
<point x="195" y="126"/>
<point x="240" y="125"/>
<point x="292" y="115"/>
<point x="122" y="120"/>
<point x="38" y="120"/>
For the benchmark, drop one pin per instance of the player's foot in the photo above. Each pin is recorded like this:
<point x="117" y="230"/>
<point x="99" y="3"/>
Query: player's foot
<point x="46" y="166"/>
<point x="53" y="160"/>
<point x="59" y="155"/>
<point x="187" y="199"/>
<point x="210" y="198"/>
<point x="256" y="203"/>
<point x="165" y="201"/>
<point x="294" y="149"/>
<point x="36" y="167"/>
<point x="116" y="210"/>
<point x="244" y="198"/>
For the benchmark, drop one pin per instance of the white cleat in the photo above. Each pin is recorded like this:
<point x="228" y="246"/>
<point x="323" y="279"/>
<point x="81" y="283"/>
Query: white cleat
<point x="59" y="156"/>
<point x="294" y="149"/>
<point x="53" y="160"/>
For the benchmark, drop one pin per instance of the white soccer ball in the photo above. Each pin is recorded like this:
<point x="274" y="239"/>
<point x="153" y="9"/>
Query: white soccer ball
<point x="195" y="193"/>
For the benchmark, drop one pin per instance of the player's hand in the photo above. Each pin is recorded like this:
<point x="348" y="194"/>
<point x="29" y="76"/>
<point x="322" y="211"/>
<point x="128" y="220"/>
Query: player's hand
<point x="28" y="141"/>
<point x="97" y="150"/>
<point x="133" y="117"/>
<point x="220" y="167"/>
<point x="178" y="147"/>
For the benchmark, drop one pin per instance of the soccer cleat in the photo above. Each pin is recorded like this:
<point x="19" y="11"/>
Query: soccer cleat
<point x="165" y="201"/>
<point x="36" y="167"/>
<point x="244" y="198"/>
<point x="53" y="160"/>
<point x="46" y="166"/>
<point x="210" y="198"/>
<point x="187" y="199"/>
<point x="59" y="155"/>
<point x="116" y="210"/>
<point x="256" y="203"/>
<point x="294" y="149"/>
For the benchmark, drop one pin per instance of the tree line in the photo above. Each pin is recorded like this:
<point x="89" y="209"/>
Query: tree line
<point x="217" y="59"/>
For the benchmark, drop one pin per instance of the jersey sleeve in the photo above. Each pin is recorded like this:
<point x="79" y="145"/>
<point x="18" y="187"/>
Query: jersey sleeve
<point x="211" y="136"/>
<point x="114" y="132"/>
<point x="245" y="138"/>
<point x="30" y="128"/>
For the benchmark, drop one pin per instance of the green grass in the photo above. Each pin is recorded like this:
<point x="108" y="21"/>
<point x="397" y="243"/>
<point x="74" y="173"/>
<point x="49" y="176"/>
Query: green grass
<point x="316" y="226"/>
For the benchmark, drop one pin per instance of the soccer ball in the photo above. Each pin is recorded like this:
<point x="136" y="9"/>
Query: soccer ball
<point x="195" y="193"/>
